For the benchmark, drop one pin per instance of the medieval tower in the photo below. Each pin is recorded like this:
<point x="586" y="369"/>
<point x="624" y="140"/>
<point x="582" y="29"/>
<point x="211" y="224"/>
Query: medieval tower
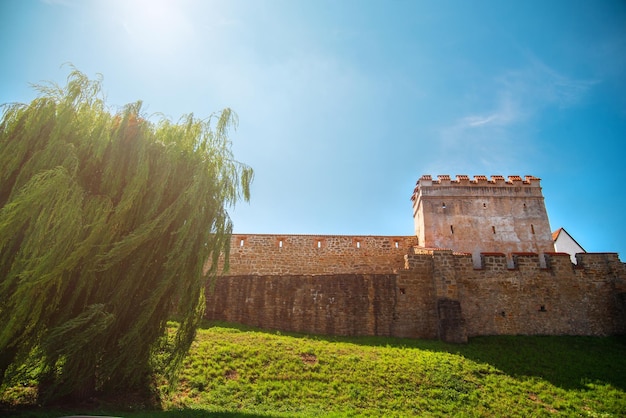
<point x="482" y="215"/>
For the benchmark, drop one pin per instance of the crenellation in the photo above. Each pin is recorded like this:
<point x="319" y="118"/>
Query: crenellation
<point x="532" y="180"/>
<point x="498" y="180"/>
<point x="558" y="262"/>
<point x="600" y="264"/>
<point x="526" y="261"/>
<point x="493" y="261"/>
<point x="558" y="299"/>
<point x="445" y="180"/>
<point x="462" y="179"/>
<point x="481" y="263"/>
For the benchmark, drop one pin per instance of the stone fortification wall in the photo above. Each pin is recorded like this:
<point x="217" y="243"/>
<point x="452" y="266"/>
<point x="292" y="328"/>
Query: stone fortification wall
<point x="561" y="299"/>
<point x="268" y="254"/>
<point x="505" y="279"/>
<point x="342" y="304"/>
<point x="432" y="293"/>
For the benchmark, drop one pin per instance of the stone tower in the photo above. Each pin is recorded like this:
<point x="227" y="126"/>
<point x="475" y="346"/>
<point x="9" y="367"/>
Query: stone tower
<point x="482" y="215"/>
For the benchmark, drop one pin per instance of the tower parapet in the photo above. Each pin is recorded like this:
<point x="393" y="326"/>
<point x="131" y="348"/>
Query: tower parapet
<point x="482" y="214"/>
<point x="426" y="183"/>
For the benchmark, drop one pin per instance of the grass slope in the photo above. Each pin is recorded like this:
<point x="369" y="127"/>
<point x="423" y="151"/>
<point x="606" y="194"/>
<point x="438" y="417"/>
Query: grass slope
<point x="237" y="372"/>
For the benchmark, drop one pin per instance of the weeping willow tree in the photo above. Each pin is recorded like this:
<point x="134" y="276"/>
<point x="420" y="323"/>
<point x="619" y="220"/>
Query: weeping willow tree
<point x="109" y="225"/>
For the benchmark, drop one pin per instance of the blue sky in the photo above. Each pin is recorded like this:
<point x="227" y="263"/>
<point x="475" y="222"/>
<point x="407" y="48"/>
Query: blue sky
<point x="344" y="104"/>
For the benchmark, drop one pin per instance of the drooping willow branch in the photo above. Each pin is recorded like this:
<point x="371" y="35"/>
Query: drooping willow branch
<point x="107" y="221"/>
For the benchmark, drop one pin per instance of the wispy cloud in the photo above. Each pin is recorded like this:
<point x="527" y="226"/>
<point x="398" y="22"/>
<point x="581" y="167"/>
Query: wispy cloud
<point x="539" y="85"/>
<point x="506" y="112"/>
<point x="490" y="137"/>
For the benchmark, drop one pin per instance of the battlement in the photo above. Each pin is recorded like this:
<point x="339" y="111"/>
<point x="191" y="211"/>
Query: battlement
<point x="482" y="262"/>
<point x="287" y="254"/>
<point x="477" y="186"/>
<point x="479" y="180"/>
<point x="600" y="266"/>
<point x="341" y="289"/>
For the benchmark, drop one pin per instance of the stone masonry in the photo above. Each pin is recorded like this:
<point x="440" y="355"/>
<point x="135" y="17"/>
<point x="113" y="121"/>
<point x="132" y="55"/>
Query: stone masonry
<point x="391" y="286"/>
<point x="480" y="215"/>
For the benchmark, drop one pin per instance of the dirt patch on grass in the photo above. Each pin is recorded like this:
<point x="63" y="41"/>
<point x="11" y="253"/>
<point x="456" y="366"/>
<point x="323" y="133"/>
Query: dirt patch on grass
<point x="307" y="358"/>
<point x="231" y="375"/>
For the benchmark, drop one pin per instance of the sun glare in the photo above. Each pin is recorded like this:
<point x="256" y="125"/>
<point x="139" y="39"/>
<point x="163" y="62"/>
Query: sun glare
<point x="155" y="25"/>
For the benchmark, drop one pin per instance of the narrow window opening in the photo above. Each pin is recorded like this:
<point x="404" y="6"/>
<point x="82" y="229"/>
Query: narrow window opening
<point x="280" y="243"/>
<point x="319" y="244"/>
<point x="542" y="308"/>
<point x="402" y="291"/>
<point x="241" y="242"/>
<point x="397" y="244"/>
<point x="443" y="205"/>
<point x="532" y="228"/>
<point x="484" y="205"/>
<point x="452" y="229"/>
<point x="358" y="244"/>
<point x="503" y="314"/>
<point x="493" y="229"/>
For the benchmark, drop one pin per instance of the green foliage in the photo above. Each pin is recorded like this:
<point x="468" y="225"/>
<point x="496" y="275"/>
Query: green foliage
<point x="109" y="224"/>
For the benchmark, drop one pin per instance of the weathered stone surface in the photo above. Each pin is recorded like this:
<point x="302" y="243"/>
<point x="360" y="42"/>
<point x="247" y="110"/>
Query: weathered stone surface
<point x="341" y="304"/>
<point x="451" y="323"/>
<point x="480" y="215"/>
<point x="498" y="275"/>
<point x="435" y="293"/>
<point x="267" y="254"/>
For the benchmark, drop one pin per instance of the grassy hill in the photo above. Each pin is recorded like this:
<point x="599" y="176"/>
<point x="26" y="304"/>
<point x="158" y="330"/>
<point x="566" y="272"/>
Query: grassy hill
<point x="238" y="372"/>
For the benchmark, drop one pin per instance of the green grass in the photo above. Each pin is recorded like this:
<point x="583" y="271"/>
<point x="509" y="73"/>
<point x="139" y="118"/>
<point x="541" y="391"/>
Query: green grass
<point x="242" y="372"/>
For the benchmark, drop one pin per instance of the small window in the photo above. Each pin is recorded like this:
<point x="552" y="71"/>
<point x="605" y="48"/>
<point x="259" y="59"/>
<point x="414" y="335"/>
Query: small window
<point x="358" y="244"/>
<point x="280" y="243"/>
<point x="397" y="244"/>
<point x="443" y="205"/>
<point x="319" y="244"/>
<point x="532" y="228"/>
<point x="241" y="242"/>
<point x="452" y="229"/>
<point x="402" y="291"/>
<point x="493" y="229"/>
<point x="484" y="205"/>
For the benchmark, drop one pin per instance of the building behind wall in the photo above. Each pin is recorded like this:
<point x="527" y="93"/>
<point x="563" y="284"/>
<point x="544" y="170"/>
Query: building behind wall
<point x="565" y="243"/>
<point x="482" y="215"/>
